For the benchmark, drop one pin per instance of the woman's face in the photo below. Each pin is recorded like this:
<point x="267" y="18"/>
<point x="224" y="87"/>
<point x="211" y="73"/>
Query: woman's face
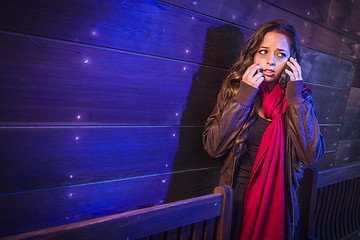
<point x="272" y="55"/>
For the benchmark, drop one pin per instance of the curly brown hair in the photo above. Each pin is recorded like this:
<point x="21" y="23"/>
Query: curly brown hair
<point x="233" y="79"/>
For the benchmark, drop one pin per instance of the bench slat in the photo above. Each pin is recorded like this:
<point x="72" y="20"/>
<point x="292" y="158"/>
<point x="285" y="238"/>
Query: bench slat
<point x="126" y="225"/>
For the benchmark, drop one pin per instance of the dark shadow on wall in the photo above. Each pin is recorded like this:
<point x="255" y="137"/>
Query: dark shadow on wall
<point x="195" y="173"/>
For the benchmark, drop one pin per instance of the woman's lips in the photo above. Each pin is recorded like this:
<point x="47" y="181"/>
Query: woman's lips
<point x="268" y="72"/>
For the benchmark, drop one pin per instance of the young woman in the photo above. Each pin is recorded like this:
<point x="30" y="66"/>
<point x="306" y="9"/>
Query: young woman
<point x="267" y="128"/>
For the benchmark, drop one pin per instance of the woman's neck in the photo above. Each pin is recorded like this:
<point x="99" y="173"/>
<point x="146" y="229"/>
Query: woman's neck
<point x="271" y="85"/>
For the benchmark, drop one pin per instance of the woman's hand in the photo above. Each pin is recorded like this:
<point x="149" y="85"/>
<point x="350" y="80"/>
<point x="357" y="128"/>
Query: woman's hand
<point x="295" y="73"/>
<point x="253" y="75"/>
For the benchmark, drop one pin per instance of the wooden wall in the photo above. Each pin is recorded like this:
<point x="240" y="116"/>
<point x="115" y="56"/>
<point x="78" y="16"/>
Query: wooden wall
<point x="102" y="103"/>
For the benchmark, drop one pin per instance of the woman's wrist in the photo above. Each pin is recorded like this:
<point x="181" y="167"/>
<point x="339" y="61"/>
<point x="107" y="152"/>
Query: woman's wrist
<point x="293" y="92"/>
<point x="246" y="94"/>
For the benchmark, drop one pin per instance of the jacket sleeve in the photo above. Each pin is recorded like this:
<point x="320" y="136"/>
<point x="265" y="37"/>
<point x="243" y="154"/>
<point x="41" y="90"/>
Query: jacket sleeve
<point x="303" y="126"/>
<point x="225" y="122"/>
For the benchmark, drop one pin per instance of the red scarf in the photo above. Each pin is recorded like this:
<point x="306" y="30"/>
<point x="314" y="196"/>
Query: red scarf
<point x="264" y="202"/>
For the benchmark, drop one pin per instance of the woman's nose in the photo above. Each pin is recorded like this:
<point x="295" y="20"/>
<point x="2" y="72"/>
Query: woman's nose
<point x="271" y="59"/>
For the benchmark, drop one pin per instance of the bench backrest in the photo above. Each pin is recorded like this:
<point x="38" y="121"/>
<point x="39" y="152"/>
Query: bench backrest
<point x="330" y="204"/>
<point x="206" y="217"/>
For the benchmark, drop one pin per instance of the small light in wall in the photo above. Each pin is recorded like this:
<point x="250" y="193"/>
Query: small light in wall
<point x="174" y="135"/>
<point x="176" y="114"/>
<point x="70" y="194"/>
<point x="76" y="138"/>
<point x="163" y="181"/>
<point x="233" y="16"/>
<point x="327" y="118"/>
<point x="195" y="3"/>
<point x="192" y="18"/>
<point x="184" y="68"/>
<point x="259" y="5"/>
<point x="305" y="24"/>
<point x="187" y="51"/>
<point x="71" y="176"/>
<point x="255" y="23"/>
<point x="166" y="165"/>
<point x="308" y="13"/>
<point x="86" y="61"/>
<point x="331" y="165"/>
<point x="302" y="40"/>
<point x="67" y="218"/>
<point x="78" y="117"/>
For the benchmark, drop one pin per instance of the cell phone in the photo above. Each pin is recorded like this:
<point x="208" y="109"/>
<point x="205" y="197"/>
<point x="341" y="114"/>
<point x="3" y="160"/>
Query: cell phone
<point x="284" y="78"/>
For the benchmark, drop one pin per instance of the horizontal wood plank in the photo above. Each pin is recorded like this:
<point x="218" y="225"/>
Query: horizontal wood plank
<point x="327" y="113"/>
<point x="331" y="135"/>
<point x="66" y="156"/>
<point x="326" y="162"/>
<point x="316" y="11"/>
<point x="129" y="25"/>
<point x="341" y="16"/>
<point x="344" y="17"/>
<point x="338" y="174"/>
<point x="354" y="97"/>
<point x="252" y="13"/>
<point x="208" y="7"/>
<point x="28" y="211"/>
<point x="351" y="129"/>
<point x="53" y="83"/>
<point x="348" y="152"/>
<point x="324" y="69"/>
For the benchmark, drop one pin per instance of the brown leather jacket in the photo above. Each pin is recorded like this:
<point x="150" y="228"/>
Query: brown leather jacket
<point x="304" y="142"/>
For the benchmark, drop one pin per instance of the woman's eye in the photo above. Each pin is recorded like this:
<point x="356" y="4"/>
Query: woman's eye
<point x="262" y="51"/>
<point x="281" y="55"/>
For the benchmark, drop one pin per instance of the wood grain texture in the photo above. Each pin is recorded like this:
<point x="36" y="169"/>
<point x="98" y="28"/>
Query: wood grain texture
<point x="324" y="69"/>
<point x="67" y="156"/>
<point x="348" y="152"/>
<point x="356" y="81"/>
<point x="208" y="7"/>
<point x="341" y="16"/>
<point x="326" y="162"/>
<point x="56" y="83"/>
<point x="330" y="103"/>
<point x="129" y="25"/>
<point x="338" y="174"/>
<point x="34" y="210"/>
<point x="354" y="97"/>
<point x="91" y="86"/>
<point x="252" y="13"/>
<point x="152" y="221"/>
<point x="316" y="11"/>
<point x="344" y="17"/>
<point x="331" y="135"/>
<point x="351" y="128"/>
<point x="355" y="3"/>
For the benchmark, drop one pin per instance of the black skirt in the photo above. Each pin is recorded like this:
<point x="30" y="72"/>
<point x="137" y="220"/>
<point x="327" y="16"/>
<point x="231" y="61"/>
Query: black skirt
<point x="238" y="207"/>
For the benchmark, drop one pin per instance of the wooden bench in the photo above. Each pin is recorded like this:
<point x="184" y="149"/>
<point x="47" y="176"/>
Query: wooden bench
<point x="330" y="205"/>
<point x="206" y="217"/>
